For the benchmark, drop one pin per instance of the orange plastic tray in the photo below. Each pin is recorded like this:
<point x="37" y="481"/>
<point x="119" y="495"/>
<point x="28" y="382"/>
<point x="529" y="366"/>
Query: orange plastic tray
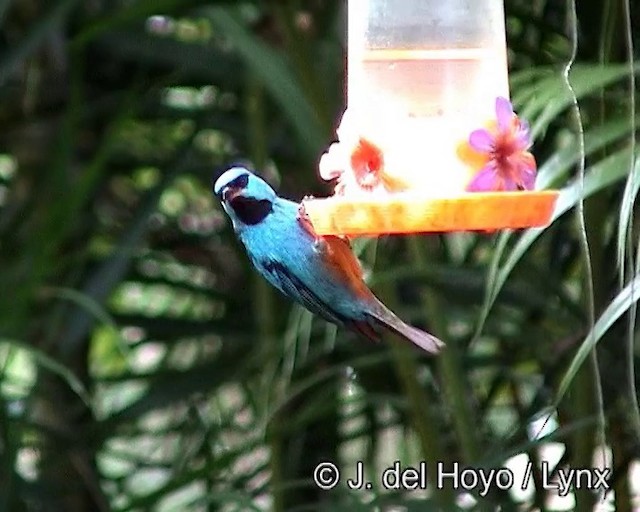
<point x="405" y="213"/>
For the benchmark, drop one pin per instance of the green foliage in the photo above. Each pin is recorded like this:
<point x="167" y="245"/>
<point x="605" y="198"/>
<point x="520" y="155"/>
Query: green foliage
<point x="144" y="366"/>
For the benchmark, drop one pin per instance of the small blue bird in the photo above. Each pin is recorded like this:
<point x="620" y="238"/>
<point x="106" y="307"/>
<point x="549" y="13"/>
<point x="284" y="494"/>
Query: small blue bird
<point x="319" y="272"/>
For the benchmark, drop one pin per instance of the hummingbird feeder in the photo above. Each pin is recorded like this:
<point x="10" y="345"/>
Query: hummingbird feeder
<point x="429" y="140"/>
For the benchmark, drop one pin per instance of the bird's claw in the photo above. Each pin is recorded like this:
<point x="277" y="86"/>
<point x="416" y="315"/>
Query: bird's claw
<point x="303" y="219"/>
<point x="319" y="243"/>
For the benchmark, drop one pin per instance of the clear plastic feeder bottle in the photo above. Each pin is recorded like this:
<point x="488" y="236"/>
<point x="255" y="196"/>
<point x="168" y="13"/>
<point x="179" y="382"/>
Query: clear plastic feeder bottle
<point x="423" y="74"/>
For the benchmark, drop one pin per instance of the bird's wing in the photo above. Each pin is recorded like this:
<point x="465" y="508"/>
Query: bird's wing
<point x="290" y="284"/>
<point x="337" y="255"/>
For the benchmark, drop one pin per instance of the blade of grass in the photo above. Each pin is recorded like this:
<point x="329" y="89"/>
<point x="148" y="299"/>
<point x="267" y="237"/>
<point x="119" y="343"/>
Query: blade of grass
<point x="93" y="308"/>
<point x="4" y="7"/>
<point x="206" y="62"/>
<point x="596" y="139"/>
<point x="599" y="176"/>
<point x="51" y="21"/>
<point x="122" y="16"/>
<point x="550" y="172"/>
<point x="628" y="296"/>
<point x="588" y="382"/>
<point x="627" y="216"/>
<point x="55" y="367"/>
<point x="100" y="284"/>
<point x="547" y="97"/>
<point x="276" y="75"/>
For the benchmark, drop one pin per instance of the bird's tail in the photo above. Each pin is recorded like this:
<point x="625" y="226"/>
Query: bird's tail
<point x="424" y="340"/>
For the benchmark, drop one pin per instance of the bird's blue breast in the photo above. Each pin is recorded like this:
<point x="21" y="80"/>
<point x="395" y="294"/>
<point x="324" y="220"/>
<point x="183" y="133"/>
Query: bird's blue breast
<point x="286" y="255"/>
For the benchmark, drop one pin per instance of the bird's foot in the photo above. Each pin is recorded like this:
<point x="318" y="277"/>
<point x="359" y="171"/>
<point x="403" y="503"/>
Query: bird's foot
<point x="303" y="220"/>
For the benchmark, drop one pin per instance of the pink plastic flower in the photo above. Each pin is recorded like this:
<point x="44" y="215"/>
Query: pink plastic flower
<point x="508" y="165"/>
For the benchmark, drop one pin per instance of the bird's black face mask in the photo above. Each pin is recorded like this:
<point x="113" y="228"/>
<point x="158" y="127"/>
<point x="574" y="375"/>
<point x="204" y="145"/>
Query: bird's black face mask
<point x="250" y="211"/>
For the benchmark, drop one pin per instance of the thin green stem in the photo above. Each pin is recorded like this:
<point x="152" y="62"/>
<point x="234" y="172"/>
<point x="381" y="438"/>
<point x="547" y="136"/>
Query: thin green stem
<point x="587" y="385"/>
<point x="450" y="368"/>
<point x="262" y="294"/>
<point x="628" y="261"/>
<point x="301" y="55"/>
<point x="423" y="418"/>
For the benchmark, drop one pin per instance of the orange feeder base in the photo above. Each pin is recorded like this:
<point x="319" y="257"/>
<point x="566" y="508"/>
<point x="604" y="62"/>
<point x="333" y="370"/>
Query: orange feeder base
<point x="405" y="213"/>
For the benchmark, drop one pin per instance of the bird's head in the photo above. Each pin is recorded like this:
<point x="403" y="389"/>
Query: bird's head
<point x="246" y="198"/>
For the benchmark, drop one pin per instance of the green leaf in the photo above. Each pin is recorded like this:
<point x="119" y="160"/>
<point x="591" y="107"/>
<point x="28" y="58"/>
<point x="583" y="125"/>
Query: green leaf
<point x="45" y="26"/>
<point x="597" y="177"/>
<point x="125" y="15"/>
<point x="553" y="170"/>
<point x="549" y="96"/>
<point x="204" y="61"/>
<point x="628" y="296"/>
<point x="631" y="189"/>
<point x="277" y="76"/>
<point x="55" y="367"/>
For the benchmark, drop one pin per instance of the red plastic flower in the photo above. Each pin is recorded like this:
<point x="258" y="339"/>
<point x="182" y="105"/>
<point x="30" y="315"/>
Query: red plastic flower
<point x="508" y="165"/>
<point x="356" y="163"/>
<point x="367" y="162"/>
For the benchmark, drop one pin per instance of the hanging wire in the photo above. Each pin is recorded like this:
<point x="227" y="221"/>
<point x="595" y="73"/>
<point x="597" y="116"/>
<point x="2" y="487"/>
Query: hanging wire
<point x="584" y="241"/>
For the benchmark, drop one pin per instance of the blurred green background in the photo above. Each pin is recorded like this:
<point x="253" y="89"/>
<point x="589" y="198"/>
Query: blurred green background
<point x="145" y="366"/>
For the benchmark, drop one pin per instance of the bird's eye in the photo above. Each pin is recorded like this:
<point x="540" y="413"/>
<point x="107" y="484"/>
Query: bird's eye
<point x="240" y="182"/>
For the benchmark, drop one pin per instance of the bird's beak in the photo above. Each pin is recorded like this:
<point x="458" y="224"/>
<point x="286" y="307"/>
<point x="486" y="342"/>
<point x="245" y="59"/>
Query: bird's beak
<point x="228" y="193"/>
